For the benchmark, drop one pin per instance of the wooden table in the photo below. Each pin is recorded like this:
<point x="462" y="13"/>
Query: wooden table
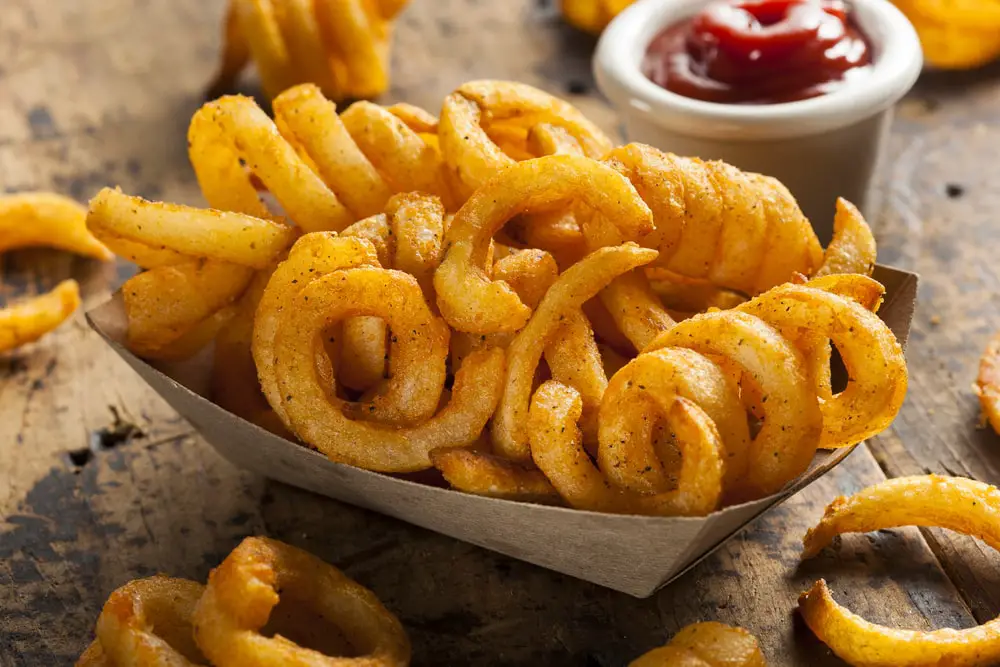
<point x="101" y="482"/>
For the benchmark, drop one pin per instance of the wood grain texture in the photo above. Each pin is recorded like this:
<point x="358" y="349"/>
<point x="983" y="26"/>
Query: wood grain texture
<point x="101" y="482"/>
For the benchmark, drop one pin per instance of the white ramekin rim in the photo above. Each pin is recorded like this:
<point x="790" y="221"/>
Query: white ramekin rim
<point x="617" y="67"/>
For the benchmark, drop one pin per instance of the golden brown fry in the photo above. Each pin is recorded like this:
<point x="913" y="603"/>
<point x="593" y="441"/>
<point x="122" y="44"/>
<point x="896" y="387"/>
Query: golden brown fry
<point x="468" y="299"/>
<point x="739" y="230"/>
<point x="45" y="219"/>
<point x="365" y="154"/>
<point x="470" y="111"/>
<point x="530" y="273"/>
<point x="852" y="249"/>
<point x="708" y="644"/>
<point x="164" y="304"/>
<point x="148" y="622"/>
<point x="341" y="45"/>
<point x="26" y="322"/>
<point x="419" y="343"/>
<point x="557" y="450"/>
<point x="375" y="229"/>
<point x="310" y="122"/>
<point x="483" y="474"/>
<point x="243" y="592"/>
<point x="955" y="503"/>
<point x="190" y="232"/>
<point x="575" y="361"/>
<point x="987" y="385"/>
<point x="233" y="130"/>
<point x="876" y="368"/>
<point x="636" y="408"/>
<point x="312" y="256"/>
<point x="635" y="310"/>
<point x="787" y="440"/>
<point x="403" y="157"/>
<point x="416" y="365"/>
<point x="576" y="285"/>
<point x="416" y="222"/>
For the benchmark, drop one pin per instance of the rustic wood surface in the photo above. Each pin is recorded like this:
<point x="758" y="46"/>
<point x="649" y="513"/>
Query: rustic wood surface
<point x="101" y="482"/>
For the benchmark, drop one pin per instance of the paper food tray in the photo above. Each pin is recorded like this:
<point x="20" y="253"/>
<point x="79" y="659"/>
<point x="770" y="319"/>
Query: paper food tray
<point x="632" y="554"/>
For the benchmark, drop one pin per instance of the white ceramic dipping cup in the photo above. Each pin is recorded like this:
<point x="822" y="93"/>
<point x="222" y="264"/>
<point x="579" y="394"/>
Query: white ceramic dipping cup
<point x="820" y="148"/>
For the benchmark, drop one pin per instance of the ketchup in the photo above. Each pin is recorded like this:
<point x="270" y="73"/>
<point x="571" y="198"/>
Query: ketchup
<point x="760" y="52"/>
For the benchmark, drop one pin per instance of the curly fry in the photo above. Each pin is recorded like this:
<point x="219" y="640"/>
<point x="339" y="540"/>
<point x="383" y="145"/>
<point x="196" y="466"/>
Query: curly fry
<point x="576" y="285"/>
<point x="852" y="249"/>
<point x="739" y="230"/>
<point x="487" y="475"/>
<point x="243" y="592"/>
<point x="477" y="107"/>
<point x="417" y="374"/>
<point x="963" y="505"/>
<point x="341" y="45"/>
<point x="468" y="299"/>
<point x="233" y="130"/>
<point x="45" y="219"/>
<point x="31" y="319"/>
<point x="557" y="449"/>
<point x="148" y="622"/>
<point x="707" y="644"/>
<point x="313" y="256"/>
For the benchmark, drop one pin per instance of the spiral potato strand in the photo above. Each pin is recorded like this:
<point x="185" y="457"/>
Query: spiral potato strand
<point x="341" y="45"/>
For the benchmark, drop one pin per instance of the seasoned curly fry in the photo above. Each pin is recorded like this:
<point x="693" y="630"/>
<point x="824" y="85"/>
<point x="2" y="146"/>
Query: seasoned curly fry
<point x="739" y="230"/>
<point x="416" y="371"/>
<point x="633" y="455"/>
<point x="708" y="644"/>
<point x="487" y="475"/>
<point x="45" y="219"/>
<point x="409" y="236"/>
<point x="468" y="299"/>
<point x="852" y="249"/>
<point x="312" y="256"/>
<point x="963" y="505"/>
<point x="798" y="413"/>
<point x="576" y="285"/>
<point x="341" y="45"/>
<point x="557" y="449"/>
<point x="475" y="107"/>
<point x="875" y="389"/>
<point x="147" y="622"/>
<point x="244" y="592"/>
<point x="188" y="232"/>
<point x="31" y="319"/>
<point x="233" y="130"/>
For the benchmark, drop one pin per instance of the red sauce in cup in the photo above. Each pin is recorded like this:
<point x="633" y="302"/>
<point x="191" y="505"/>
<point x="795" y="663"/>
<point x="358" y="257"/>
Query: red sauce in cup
<point x="760" y="52"/>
